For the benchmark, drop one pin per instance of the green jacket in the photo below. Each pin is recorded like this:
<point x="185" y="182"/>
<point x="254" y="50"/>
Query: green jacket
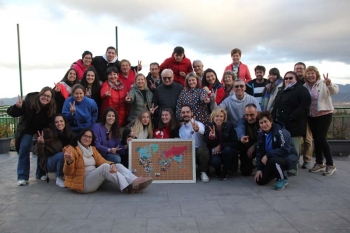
<point x="137" y="103"/>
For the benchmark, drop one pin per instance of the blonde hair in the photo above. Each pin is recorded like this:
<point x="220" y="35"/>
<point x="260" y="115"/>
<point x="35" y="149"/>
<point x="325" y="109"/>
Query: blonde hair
<point x="138" y="75"/>
<point x="138" y="126"/>
<point x="313" y="68"/>
<point x="216" y="111"/>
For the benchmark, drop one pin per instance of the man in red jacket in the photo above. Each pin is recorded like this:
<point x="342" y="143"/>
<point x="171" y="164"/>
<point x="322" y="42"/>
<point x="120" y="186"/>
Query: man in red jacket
<point x="179" y="64"/>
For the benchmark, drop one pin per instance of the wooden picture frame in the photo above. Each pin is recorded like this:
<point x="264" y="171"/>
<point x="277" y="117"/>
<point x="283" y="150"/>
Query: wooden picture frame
<point x="165" y="160"/>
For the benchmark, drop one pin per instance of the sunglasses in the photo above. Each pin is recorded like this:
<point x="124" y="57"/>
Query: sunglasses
<point x="239" y="86"/>
<point x="288" y="78"/>
<point x="166" y="78"/>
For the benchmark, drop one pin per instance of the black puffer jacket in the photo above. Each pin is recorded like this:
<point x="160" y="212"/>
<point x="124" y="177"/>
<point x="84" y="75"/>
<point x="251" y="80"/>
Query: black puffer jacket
<point x="291" y="108"/>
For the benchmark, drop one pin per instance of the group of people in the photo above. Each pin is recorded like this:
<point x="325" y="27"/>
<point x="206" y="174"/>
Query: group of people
<point x="85" y="122"/>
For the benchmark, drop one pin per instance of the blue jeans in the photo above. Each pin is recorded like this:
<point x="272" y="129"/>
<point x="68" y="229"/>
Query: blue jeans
<point x="53" y="164"/>
<point x="115" y="158"/>
<point x="23" y="166"/>
<point x="225" y="158"/>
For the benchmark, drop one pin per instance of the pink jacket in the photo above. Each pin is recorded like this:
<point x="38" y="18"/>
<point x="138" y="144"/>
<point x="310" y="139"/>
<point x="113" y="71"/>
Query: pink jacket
<point x="243" y="72"/>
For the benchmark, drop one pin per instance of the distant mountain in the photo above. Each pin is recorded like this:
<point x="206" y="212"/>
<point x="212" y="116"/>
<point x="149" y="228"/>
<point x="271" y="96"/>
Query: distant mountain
<point x="8" y="101"/>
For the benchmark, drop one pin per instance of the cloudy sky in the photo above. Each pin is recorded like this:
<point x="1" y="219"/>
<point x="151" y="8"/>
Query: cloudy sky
<point x="275" y="33"/>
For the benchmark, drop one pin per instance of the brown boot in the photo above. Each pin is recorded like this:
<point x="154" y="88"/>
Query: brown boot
<point x="139" y="184"/>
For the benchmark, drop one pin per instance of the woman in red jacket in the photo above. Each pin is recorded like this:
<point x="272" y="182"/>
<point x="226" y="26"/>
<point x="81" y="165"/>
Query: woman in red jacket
<point x="113" y="95"/>
<point x="237" y="67"/>
<point x="82" y="64"/>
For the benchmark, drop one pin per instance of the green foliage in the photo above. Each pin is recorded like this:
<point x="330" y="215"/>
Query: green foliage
<point x="5" y="130"/>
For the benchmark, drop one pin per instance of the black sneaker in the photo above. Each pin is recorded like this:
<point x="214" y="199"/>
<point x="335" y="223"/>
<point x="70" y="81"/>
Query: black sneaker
<point x="224" y="176"/>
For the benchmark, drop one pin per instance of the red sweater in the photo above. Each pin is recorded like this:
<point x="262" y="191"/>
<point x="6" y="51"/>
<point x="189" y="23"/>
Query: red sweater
<point x="184" y="65"/>
<point x="80" y="68"/>
<point x="116" y="100"/>
<point x="128" y="81"/>
<point x="243" y="72"/>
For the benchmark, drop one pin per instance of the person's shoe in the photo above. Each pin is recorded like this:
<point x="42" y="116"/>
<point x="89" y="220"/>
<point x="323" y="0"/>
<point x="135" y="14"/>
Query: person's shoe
<point x="330" y="169"/>
<point x="218" y="172"/>
<point x="281" y="184"/>
<point x="224" y="176"/>
<point x="317" y="168"/>
<point x="22" y="182"/>
<point x="139" y="184"/>
<point x="292" y="172"/>
<point x="306" y="165"/>
<point x="44" y="178"/>
<point x="204" y="177"/>
<point x="60" y="182"/>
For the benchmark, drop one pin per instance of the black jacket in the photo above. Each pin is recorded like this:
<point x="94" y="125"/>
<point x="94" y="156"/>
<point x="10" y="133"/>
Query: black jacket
<point x="227" y="137"/>
<point x="291" y="108"/>
<point x="281" y="143"/>
<point x="149" y="78"/>
<point x="101" y="65"/>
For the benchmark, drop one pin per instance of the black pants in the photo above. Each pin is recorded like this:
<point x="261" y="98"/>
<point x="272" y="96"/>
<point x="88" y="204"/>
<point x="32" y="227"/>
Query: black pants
<point x="319" y="128"/>
<point x="271" y="170"/>
<point x="246" y="166"/>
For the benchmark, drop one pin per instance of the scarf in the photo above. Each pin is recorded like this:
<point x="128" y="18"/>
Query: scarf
<point x="117" y="86"/>
<point x="269" y="88"/>
<point x="87" y="152"/>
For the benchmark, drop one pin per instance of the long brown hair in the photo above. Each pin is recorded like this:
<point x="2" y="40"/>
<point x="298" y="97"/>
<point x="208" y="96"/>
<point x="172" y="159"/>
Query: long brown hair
<point x="35" y="103"/>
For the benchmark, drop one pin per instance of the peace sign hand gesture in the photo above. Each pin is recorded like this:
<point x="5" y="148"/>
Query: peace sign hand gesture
<point x="213" y="96"/>
<point x="128" y="98"/>
<point x="212" y="132"/>
<point x="41" y="136"/>
<point x="19" y="103"/>
<point x="326" y="80"/>
<point x="153" y="85"/>
<point x="195" y="126"/>
<point x="139" y="66"/>
<point x="153" y="109"/>
<point x="72" y="107"/>
<point x="57" y="87"/>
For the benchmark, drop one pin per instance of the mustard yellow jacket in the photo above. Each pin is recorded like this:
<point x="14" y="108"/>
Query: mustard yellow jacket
<point x="75" y="172"/>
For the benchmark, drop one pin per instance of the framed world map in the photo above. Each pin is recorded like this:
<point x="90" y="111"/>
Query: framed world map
<point x="165" y="160"/>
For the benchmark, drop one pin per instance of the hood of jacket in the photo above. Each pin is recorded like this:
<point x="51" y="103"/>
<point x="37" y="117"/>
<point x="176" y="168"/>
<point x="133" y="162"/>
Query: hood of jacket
<point x="114" y="60"/>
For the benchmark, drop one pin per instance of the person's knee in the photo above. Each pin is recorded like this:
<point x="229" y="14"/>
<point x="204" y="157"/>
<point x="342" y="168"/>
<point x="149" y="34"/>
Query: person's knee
<point x="215" y="161"/>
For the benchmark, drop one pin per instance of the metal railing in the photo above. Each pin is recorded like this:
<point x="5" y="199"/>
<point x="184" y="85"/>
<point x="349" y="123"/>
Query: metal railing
<point x="340" y="127"/>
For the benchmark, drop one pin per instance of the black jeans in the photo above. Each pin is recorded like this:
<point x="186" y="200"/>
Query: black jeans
<point x="319" y="128"/>
<point x="271" y="171"/>
<point x="246" y="166"/>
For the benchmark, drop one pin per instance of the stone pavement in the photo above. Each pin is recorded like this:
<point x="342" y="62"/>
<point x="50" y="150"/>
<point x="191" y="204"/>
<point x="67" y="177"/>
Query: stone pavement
<point x="310" y="203"/>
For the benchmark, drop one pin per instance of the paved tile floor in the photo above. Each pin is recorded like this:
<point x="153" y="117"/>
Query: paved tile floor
<point x="310" y="203"/>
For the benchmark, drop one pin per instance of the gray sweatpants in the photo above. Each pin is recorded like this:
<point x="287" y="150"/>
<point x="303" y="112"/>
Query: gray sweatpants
<point x="95" y="178"/>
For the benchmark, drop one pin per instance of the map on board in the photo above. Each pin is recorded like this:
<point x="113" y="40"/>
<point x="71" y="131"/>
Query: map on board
<point x="163" y="159"/>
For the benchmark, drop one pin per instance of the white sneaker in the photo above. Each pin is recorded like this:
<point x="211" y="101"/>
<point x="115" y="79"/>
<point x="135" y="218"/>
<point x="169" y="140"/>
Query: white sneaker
<point x="22" y="182"/>
<point x="204" y="177"/>
<point x="60" y="182"/>
<point x="44" y="177"/>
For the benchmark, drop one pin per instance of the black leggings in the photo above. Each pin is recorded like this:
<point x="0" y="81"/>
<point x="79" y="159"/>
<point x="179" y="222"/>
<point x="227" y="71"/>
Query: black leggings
<point x="319" y="128"/>
<point x="271" y="171"/>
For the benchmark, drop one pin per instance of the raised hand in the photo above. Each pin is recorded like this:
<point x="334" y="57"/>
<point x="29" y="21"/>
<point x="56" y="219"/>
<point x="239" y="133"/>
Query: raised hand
<point x="195" y="126"/>
<point x="213" y="96"/>
<point x="139" y="66"/>
<point x="183" y="74"/>
<point x="115" y="149"/>
<point x="108" y="93"/>
<point x="128" y="98"/>
<point x="245" y="139"/>
<point x="41" y="137"/>
<point x="68" y="156"/>
<point x="326" y="80"/>
<point x="153" y="85"/>
<point x="72" y="108"/>
<point x="212" y="132"/>
<point x="153" y="109"/>
<point x="57" y="87"/>
<point x="88" y="92"/>
<point x="132" y="132"/>
<point x="19" y="103"/>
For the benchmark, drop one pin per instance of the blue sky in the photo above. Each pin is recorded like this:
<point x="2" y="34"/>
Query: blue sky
<point x="271" y="33"/>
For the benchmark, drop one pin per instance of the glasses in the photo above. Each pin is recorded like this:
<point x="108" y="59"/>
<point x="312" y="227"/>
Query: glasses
<point x="87" y="136"/>
<point x="167" y="78"/>
<point x="288" y="78"/>
<point x="46" y="96"/>
<point x="239" y="86"/>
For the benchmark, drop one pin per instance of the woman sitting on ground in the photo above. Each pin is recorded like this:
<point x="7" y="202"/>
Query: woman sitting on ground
<point x="168" y="126"/>
<point x="49" y="148"/>
<point x="85" y="169"/>
<point x="275" y="152"/>
<point x="108" y="136"/>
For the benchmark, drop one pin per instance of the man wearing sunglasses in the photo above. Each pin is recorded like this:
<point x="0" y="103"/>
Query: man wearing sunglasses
<point x="166" y="94"/>
<point x="234" y="104"/>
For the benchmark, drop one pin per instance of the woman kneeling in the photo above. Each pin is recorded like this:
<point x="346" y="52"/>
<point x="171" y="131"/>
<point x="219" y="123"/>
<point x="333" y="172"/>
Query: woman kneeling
<point x="85" y="169"/>
<point x="275" y="152"/>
